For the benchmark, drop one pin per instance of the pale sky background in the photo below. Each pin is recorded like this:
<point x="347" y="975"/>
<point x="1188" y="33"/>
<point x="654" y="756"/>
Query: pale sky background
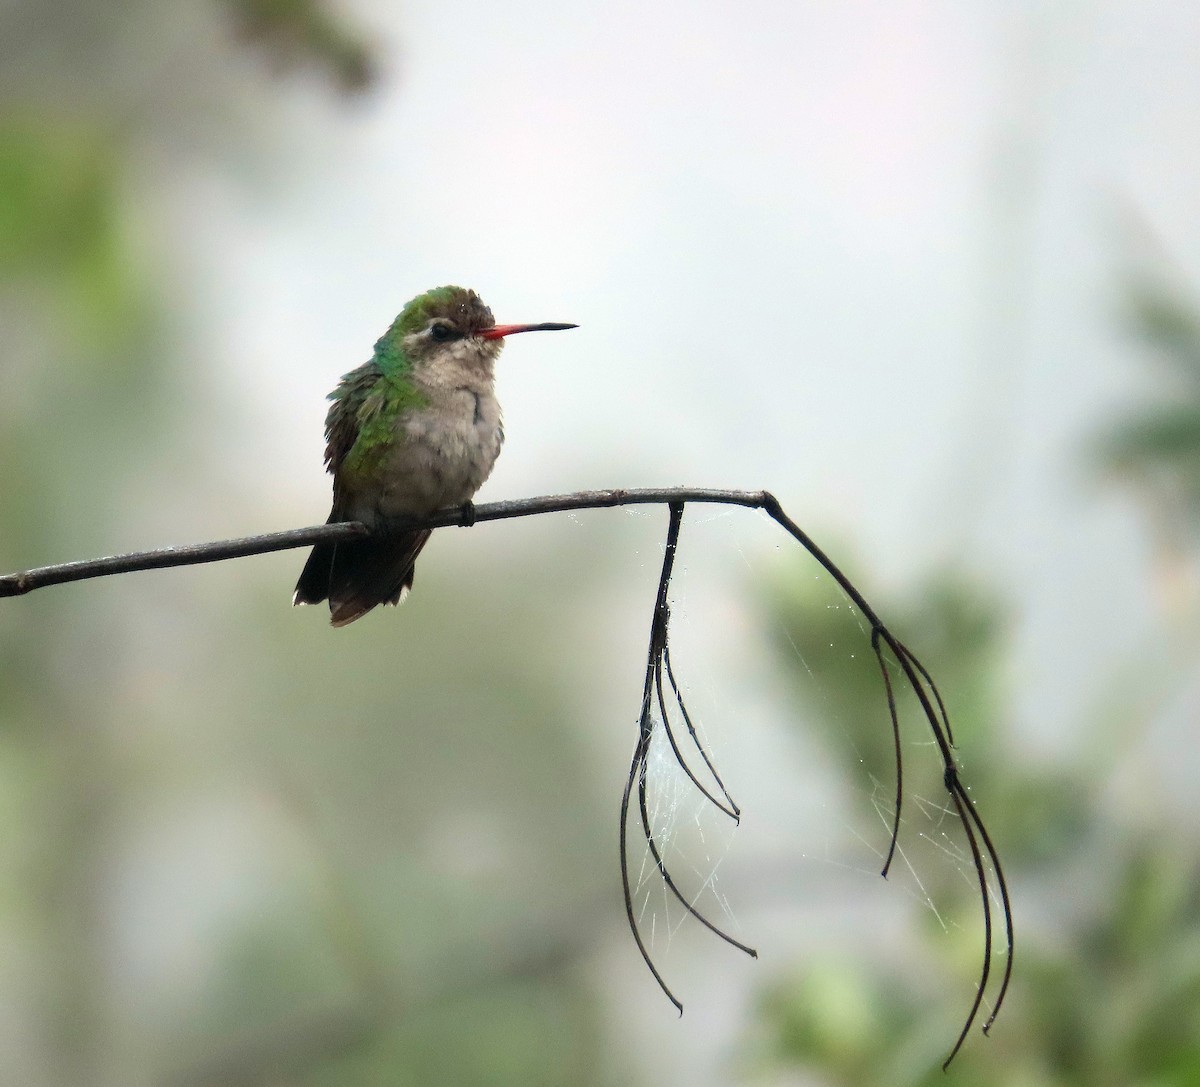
<point x="866" y="255"/>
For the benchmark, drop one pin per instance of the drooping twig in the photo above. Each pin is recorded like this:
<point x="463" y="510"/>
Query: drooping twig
<point x="968" y="816"/>
<point x="652" y="691"/>
<point x="982" y="849"/>
<point x="895" y="718"/>
<point x="733" y="809"/>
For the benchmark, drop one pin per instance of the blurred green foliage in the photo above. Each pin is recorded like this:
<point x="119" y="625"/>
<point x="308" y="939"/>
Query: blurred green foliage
<point x="60" y="226"/>
<point x="1156" y="448"/>
<point x="1106" y="991"/>
<point x="246" y="881"/>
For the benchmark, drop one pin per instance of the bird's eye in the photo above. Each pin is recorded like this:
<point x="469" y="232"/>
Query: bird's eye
<point x="441" y="333"/>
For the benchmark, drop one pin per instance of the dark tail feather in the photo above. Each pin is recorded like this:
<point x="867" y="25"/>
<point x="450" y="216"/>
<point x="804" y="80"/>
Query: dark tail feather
<point x="313" y="586"/>
<point x="358" y="575"/>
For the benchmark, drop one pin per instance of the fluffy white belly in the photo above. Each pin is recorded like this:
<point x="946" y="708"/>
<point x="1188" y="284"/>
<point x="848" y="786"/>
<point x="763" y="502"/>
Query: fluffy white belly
<point x="440" y="457"/>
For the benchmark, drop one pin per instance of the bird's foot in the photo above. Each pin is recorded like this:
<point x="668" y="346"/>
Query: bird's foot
<point x="467" y="514"/>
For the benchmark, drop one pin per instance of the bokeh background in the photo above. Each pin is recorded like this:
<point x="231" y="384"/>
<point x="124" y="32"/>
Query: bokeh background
<point x="928" y="271"/>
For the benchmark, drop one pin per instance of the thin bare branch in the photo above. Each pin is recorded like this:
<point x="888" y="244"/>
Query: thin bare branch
<point x="18" y="584"/>
<point x="919" y="680"/>
<point x="187" y="555"/>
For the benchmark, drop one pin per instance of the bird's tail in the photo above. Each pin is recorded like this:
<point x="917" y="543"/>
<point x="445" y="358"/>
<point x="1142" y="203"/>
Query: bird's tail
<point x="358" y="575"/>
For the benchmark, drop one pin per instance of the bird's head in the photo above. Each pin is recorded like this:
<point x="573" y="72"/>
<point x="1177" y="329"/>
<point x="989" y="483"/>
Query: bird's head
<point x="448" y="324"/>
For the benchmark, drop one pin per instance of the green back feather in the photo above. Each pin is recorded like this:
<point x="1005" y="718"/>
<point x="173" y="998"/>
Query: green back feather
<point x="377" y="415"/>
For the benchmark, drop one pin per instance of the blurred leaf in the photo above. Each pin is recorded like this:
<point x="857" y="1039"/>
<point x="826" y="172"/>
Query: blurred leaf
<point x="1164" y="319"/>
<point x="307" y="31"/>
<point x="61" y="226"/>
<point x="1160" y="447"/>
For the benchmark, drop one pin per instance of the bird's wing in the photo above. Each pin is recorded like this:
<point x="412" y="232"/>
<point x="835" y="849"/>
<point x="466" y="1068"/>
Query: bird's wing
<point x="343" y="421"/>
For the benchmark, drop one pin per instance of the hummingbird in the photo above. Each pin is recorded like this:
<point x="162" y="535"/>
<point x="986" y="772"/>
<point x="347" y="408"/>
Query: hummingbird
<point x="416" y="429"/>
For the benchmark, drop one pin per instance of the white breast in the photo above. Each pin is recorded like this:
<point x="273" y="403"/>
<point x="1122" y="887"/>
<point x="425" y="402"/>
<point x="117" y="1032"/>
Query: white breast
<point x="443" y="453"/>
